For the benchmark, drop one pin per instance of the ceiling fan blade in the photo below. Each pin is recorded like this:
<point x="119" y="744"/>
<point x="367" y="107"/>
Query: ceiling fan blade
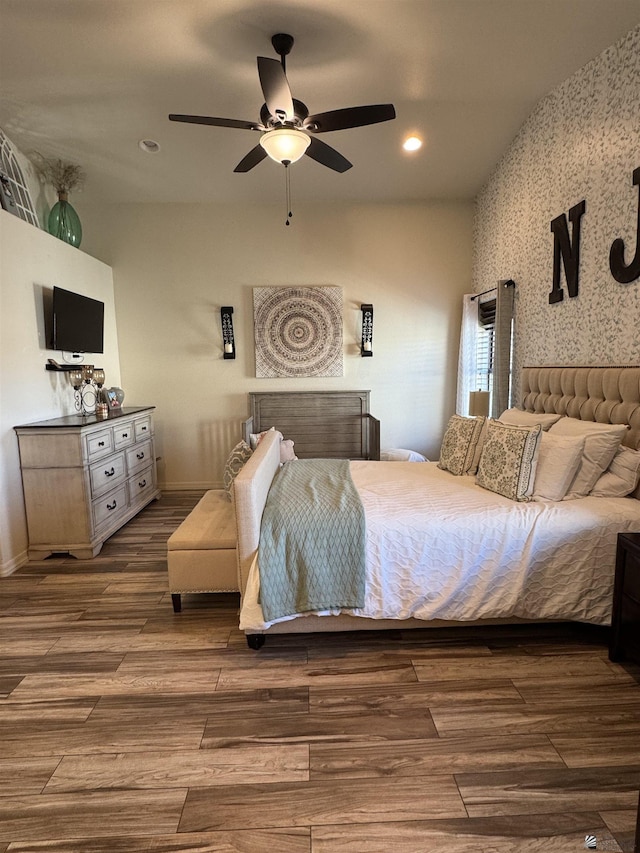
<point x="216" y="122"/>
<point x="328" y="156"/>
<point x="255" y="156"/>
<point x="275" y="88"/>
<point x="350" y="117"/>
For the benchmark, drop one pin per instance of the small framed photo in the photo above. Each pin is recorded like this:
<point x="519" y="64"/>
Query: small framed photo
<point x="111" y="398"/>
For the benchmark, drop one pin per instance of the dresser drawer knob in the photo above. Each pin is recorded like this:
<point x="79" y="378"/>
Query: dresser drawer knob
<point x="125" y="435"/>
<point x="140" y="455"/>
<point x="101" y="444"/>
<point x="142" y="484"/>
<point x="112" y="506"/>
<point x="109" y="473"/>
<point x="144" y="429"/>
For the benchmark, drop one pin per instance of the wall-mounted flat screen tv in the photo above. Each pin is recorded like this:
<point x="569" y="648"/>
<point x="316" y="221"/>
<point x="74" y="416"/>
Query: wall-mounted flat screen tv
<point x="78" y="322"/>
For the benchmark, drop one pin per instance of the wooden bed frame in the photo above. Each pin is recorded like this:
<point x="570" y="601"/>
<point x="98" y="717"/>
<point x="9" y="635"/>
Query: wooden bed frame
<point x="604" y="394"/>
<point x="322" y="424"/>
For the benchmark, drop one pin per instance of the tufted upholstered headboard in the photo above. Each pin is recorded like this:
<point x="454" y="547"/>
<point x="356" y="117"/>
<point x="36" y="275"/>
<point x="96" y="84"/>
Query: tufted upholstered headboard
<point x="603" y="394"/>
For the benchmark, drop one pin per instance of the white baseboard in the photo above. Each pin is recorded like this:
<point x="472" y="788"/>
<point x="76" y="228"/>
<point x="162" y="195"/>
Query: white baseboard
<point x="10" y="566"/>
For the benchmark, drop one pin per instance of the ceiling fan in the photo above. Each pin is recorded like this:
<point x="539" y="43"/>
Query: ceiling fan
<point x="288" y="131"/>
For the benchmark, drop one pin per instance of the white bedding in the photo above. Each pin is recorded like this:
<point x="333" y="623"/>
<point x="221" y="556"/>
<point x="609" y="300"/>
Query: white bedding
<point x="441" y="547"/>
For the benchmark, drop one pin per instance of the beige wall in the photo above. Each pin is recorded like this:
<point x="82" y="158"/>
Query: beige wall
<point x="175" y="265"/>
<point x="31" y="260"/>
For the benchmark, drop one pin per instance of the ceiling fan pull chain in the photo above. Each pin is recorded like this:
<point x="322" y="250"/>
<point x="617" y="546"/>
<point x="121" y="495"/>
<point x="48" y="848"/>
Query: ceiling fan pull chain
<point x="287" y="185"/>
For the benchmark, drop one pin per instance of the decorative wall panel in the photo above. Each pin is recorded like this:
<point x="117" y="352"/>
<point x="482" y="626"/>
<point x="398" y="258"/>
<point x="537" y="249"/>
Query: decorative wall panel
<point x="581" y="142"/>
<point x="298" y="331"/>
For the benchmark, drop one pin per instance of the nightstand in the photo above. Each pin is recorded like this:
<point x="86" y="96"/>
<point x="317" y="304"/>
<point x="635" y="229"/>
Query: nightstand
<point x="625" y="619"/>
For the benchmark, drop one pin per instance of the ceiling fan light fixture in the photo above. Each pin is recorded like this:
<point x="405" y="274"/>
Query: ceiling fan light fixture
<point x="412" y="143"/>
<point x="285" y="144"/>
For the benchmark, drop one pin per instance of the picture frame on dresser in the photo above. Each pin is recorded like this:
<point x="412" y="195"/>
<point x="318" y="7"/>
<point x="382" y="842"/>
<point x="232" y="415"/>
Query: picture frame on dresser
<point x="111" y="398"/>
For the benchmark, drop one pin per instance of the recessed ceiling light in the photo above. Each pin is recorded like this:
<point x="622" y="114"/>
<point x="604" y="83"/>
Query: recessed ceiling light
<point x="412" y="143"/>
<point x="149" y="146"/>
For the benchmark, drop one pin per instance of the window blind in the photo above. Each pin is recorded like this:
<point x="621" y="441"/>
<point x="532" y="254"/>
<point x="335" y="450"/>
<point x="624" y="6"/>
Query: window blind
<point x="485" y="345"/>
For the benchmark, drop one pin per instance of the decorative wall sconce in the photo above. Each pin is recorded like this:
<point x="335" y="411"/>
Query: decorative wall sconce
<point x="229" y="345"/>
<point x="87" y="384"/>
<point x="366" y="347"/>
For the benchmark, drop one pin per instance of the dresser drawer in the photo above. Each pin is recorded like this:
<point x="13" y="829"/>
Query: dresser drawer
<point x="142" y="428"/>
<point x="99" y="444"/>
<point x="106" y="474"/>
<point x="141" y="485"/>
<point x="108" y="508"/>
<point x="139" y="457"/>
<point x="124" y="435"/>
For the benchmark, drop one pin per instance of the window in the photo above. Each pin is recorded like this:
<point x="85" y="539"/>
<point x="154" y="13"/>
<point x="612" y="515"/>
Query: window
<point x="485" y="345"/>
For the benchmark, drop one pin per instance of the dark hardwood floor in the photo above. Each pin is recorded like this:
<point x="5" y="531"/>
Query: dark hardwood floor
<point x="125" y="727"/>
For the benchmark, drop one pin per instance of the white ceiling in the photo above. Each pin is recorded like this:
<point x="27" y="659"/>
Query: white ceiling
<point x="85" y="80"/>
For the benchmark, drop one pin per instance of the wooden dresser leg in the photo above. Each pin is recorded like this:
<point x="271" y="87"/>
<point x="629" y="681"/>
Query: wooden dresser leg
<point x="177" y="602"/>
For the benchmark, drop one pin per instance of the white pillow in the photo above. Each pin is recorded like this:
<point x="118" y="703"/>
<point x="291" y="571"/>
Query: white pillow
<point x="256" y="437"/>
<point x="558" y="459"/>
<point x="518" y="417"/>
<point x="287" y="453"/>
<point x="401" y="455"/>
<point x="459" y="443"/>
<point x="601" y="441"/>
<point x="621" y="477"/>
<point x="508" y="461"/>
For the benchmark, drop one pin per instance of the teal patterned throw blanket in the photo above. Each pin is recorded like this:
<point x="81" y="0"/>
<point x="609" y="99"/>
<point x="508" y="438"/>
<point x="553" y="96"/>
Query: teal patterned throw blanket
<point x="312" y="540"/>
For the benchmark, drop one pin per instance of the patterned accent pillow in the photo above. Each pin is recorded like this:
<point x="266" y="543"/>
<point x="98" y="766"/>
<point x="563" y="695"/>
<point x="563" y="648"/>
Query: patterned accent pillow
<point x="508" y="462"/>
<point x="459" y="444"/>
<point x="235" y="463"/>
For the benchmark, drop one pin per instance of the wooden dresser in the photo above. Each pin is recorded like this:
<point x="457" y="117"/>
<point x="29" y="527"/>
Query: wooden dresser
<point x="84" y="477"/>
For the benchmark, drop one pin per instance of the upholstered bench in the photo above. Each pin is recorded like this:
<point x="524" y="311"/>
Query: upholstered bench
<point x="201" y="552"/>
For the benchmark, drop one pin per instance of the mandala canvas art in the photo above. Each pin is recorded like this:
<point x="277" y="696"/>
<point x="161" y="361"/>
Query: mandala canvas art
<point x="298" y="331"/>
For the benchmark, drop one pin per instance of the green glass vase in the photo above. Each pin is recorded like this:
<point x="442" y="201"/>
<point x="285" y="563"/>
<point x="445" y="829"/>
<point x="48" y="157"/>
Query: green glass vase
<point x="64" y="222"/>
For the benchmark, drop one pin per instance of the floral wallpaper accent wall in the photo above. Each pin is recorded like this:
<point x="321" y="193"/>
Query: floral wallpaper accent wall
<point x="581" y="142"/>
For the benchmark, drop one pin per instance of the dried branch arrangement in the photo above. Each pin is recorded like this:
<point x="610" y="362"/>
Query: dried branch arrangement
<point x="64" y="176"/>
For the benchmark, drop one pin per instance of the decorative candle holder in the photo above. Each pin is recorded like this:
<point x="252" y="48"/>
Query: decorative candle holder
<point x="87" y="383"/>
<point x="229" y="345"/>
<point x="366" y="347"/>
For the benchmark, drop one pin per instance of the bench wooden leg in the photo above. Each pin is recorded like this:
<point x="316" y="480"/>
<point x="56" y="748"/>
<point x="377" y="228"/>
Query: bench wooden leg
<point x="177" y="602"/>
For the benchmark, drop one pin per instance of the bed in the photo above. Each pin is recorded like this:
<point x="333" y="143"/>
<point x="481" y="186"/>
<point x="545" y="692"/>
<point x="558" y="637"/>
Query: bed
<point x="442" y="550"/>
